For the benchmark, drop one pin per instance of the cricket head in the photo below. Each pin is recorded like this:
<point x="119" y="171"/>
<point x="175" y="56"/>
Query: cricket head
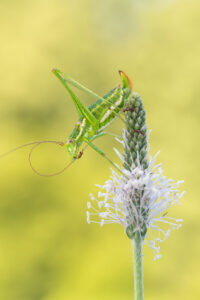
<point x="71" y="147"/>
<point x="126" y="81"/>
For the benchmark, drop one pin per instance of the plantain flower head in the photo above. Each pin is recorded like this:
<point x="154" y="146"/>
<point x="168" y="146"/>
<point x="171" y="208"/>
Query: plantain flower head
<point x="139" y="199"/>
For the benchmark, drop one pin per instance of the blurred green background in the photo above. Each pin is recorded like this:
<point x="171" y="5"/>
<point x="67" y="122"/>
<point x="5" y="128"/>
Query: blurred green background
<point x="47" y="250"/>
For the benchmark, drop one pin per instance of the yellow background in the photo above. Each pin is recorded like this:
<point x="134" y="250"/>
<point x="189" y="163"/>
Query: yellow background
<point x="47" y="250"/>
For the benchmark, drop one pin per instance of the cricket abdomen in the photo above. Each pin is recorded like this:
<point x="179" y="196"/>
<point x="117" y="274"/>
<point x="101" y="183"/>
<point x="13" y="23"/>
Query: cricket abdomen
<point x="107" y="111"/>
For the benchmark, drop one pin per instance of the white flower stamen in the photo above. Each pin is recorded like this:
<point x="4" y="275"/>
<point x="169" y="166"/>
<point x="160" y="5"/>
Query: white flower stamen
<point x="120" y="203"/>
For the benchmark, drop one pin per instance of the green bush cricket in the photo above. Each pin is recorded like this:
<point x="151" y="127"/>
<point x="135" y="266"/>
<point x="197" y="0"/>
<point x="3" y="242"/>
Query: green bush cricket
<point x="92" y="120"/>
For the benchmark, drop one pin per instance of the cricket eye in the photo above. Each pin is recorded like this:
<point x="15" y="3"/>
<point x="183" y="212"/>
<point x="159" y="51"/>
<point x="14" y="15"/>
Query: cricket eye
<point x="70" y="141"/>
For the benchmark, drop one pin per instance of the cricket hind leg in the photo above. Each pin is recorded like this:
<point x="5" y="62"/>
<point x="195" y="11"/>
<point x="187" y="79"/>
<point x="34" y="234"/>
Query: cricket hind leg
<point x="66" y="78"/>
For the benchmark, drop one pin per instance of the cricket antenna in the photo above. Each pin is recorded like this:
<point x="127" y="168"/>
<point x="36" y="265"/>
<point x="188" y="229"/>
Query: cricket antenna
<point x="36" y="144"/>
<point x="47" y="175"/>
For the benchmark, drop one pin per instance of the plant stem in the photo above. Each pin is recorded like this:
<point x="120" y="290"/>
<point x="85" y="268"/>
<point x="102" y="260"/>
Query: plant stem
<point x="138" y="269"/>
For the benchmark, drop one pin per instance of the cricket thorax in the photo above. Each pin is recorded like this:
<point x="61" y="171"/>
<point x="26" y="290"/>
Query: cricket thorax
<point x="75" y="140"/>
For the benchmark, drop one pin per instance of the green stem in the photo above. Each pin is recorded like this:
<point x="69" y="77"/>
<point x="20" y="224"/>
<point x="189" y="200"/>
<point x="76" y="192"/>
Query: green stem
<point x="138" y="269"/>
